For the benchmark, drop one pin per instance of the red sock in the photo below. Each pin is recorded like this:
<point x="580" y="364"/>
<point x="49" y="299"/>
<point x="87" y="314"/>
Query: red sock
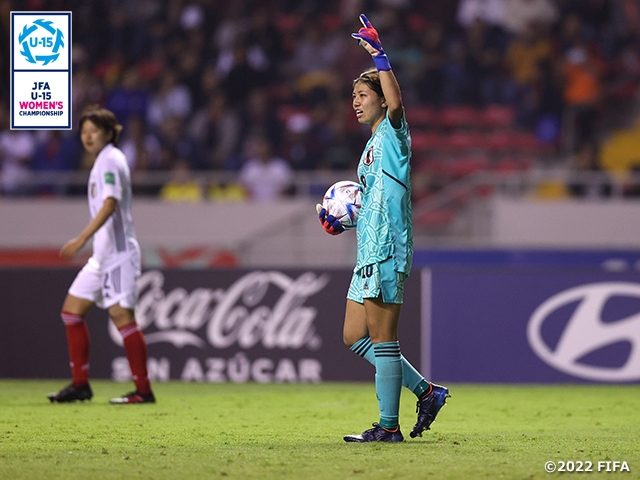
<point x="78" y="341"/>
<point x="135" y="347"/>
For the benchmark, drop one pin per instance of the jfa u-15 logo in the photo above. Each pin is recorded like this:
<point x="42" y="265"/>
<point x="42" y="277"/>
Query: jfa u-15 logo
<point x="41" y="42"/>
<point x="41" y="70"/>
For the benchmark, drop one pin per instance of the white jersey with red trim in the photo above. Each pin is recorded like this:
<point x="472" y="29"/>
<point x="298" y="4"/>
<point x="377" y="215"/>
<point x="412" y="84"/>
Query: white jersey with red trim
<point x="110" y="177"/>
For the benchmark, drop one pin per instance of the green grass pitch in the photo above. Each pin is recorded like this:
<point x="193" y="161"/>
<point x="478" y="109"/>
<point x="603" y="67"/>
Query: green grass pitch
<point x="250" y="431"/>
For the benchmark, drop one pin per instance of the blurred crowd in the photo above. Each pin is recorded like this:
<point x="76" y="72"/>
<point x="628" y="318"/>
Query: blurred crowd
<point x="263" y="87"/>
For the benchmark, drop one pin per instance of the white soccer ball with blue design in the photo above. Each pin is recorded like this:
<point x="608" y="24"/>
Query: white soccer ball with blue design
<point x="343" y="200"/>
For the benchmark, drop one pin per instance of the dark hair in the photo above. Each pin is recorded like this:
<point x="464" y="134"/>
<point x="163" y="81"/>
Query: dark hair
<point x="371" y="78"/>
<point x="104" y="119"/>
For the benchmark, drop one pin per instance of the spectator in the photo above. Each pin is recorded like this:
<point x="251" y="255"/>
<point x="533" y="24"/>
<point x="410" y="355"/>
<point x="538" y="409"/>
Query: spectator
<point x="586" y="165"/>
<point x="129" y="97"/>
<point x="141" y="148"/>
<point x="523" y="57"/>
<point x="16" y="149"/>
<point x="258" y="117"/>
<point x="173" y="136"/>
<point x="173" y="99"/>
<point x="265" y="176"/>
<point x="433" y="57"/>
<point x="525" y="53"/>
<point x="217" y="129"/>
<point x="243" y="77"/>
<point x="484" y="65"/>
<point x="582" y="94"/>
<point x="549" y="103"/>
<point x="182" y="188"/>
<point x="519" y="14"/>
<point x="490" y="12"/>
<point x="58" y="152"/>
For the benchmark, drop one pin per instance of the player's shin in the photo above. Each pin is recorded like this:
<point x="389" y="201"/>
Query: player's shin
<point x="78" y="342"/>
<point x="135" y="348"/>
<point x="388" y="382"/>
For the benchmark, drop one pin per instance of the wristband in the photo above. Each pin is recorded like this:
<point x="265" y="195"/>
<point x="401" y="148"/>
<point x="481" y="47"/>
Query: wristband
<point x="382" y="62"/>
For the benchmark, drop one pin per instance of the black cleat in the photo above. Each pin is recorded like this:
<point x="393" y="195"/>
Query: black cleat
<point x="428" y="407"/>
<point x="376" y="434"/>
<point x="71" y="394"/>
<point x="134" y="397"/>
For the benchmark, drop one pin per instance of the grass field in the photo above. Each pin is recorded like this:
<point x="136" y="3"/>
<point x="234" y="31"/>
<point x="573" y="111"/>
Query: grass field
<point x="203" y="431"/>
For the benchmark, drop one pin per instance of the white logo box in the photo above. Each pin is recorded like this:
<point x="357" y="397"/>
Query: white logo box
<point x="41" y="70"/>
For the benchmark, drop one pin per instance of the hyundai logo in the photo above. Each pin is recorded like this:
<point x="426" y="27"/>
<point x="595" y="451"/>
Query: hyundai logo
<point x="586" y="332"/>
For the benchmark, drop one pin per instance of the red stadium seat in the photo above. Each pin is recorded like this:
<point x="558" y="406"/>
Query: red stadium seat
<point x="464" y="166"/>
<point x="497" y="116"/>
<point x="498" y="141"/>
<point x="435" y="218"/>
<point x="432" y="166"/>
<point x="423" y="116"/>
<point x="507" y="165"/>
<point x="458" y="117"/>
<point x="464" y="141"/>
<point x="426" y="141"/>
<point x="525" y="143"/>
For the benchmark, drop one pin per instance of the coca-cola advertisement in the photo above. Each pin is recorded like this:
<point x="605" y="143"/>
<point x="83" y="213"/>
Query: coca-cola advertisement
<point x="218" y="325"/>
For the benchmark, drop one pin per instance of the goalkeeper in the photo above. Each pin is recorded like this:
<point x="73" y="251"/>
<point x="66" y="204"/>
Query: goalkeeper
<point x="385" y="248"/>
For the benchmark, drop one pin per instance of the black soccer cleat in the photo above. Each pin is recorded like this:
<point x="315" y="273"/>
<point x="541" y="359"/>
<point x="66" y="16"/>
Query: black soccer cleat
<point x="134" y="398"/>
<point x="376" y="434"/>
<point x="428" y="407"/>
<point x="71" y="394"/>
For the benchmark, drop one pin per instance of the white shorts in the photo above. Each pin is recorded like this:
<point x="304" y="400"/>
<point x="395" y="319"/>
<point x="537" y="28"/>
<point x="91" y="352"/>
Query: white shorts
<point x="106" y="287"/>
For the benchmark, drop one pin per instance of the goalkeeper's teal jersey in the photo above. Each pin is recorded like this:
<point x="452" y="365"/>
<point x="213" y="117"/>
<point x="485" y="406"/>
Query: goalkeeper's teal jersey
<point x="384" y="224"/>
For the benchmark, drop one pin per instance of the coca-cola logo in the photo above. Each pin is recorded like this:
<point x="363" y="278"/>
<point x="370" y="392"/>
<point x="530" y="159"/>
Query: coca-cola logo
<point x="239" y="315"/>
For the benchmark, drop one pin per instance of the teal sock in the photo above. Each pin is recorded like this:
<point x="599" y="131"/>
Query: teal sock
<point x="388" y="382"/>
<point x="364" y="348"/>
<point x="411" y="378"/>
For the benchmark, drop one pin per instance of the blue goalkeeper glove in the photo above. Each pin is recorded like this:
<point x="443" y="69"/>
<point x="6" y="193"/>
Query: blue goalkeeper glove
<point x="330" y="223"/>
<point x="367" y="37"/>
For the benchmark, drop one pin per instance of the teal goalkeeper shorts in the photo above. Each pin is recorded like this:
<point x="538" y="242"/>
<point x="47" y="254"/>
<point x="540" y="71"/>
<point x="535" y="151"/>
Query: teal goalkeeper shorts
<point x="378" y="279"/>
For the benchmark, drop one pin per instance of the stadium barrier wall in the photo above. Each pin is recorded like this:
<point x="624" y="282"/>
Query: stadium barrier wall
<point x="531" y="325"/>
<point x="278" y="234"/>
<point x="489" y="324"/>
<point x="223" y="325"/>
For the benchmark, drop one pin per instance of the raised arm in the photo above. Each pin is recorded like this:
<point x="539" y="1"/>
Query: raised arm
<point x="367" y="37"/>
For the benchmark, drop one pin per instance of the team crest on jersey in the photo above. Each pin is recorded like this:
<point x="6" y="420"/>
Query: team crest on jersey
<point x="92" y="190"/>
<point x="368" y="157"/>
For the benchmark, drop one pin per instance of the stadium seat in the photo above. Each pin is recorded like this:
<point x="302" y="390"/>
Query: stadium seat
<point x="435" y="218"/>
<point x="420" y="116"/>
<point x="464" y="166"/>
<point x="506" y="166"/>
<point x="496" y="116"/>
<point x="524" y="142"/>
<point x="464" y="142"/>
<point x="426" y="141"/>
<point x="431" y="166"/>
<point x="498" y="141"/>
<point x="458" y="117"/>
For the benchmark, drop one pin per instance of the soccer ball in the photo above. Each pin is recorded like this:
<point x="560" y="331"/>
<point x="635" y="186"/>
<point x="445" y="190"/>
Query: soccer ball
<point x="343" y="200"/>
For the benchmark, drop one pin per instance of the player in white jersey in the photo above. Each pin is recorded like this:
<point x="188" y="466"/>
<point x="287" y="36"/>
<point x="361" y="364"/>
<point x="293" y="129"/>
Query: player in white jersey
<point x="108" y="279"/>
<point x="385" y="248"/>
